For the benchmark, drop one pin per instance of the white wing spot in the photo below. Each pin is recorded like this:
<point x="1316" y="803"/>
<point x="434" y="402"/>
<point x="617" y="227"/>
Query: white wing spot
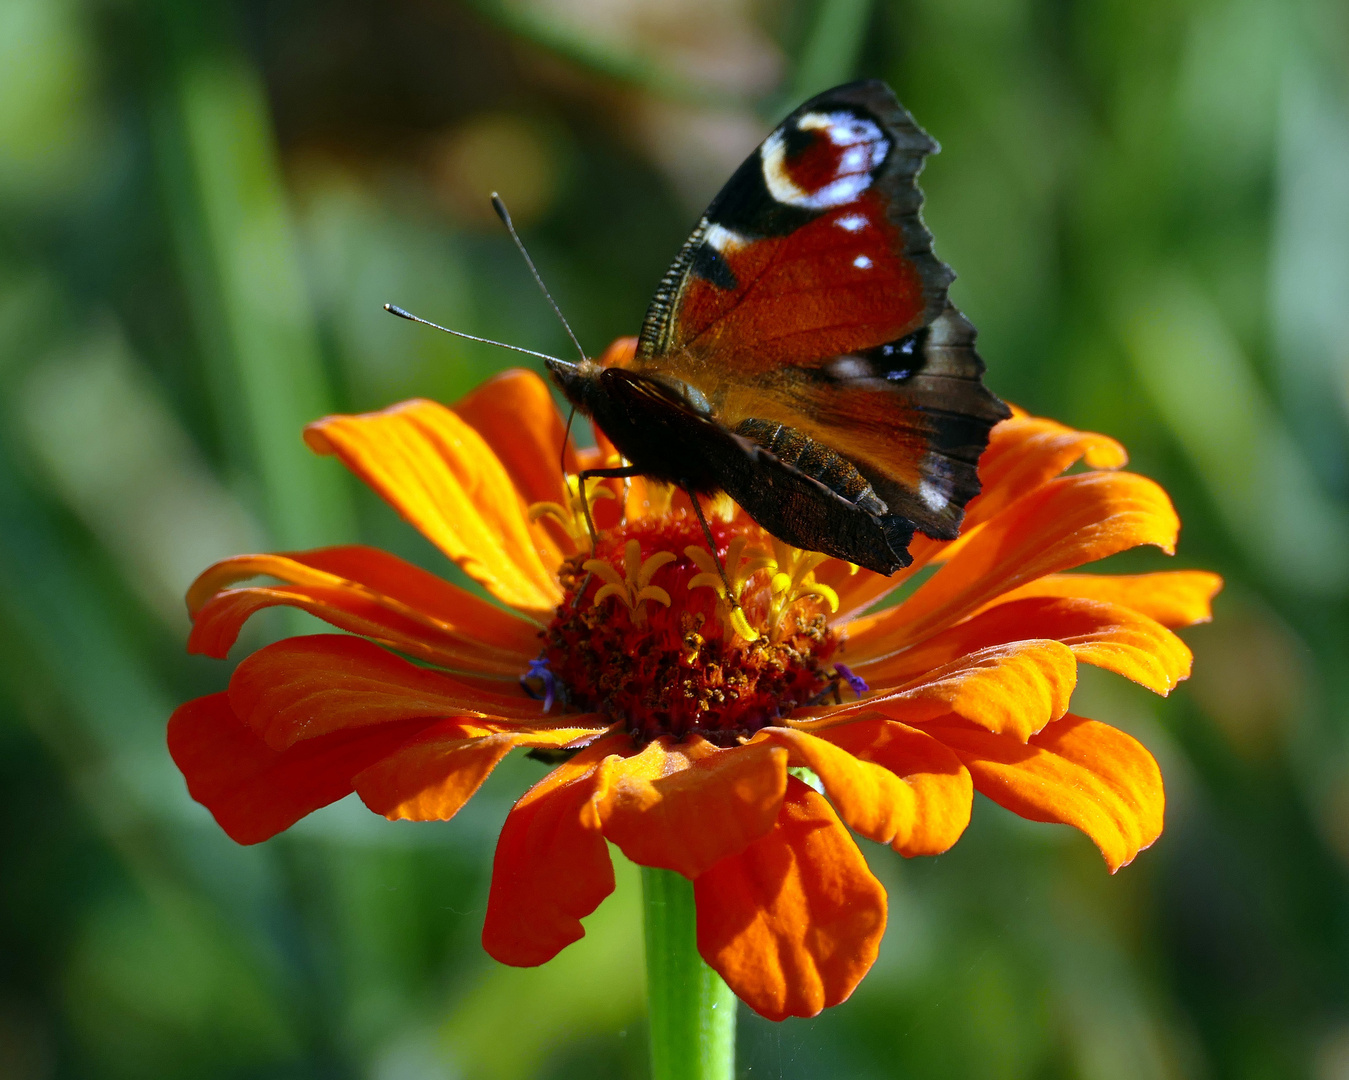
<point x="722" y="239"/>
<point x="850" y="367"/>
<point x="862" y="262"/>
<point x="852" y="223"/>
<point x="933" y="494"/>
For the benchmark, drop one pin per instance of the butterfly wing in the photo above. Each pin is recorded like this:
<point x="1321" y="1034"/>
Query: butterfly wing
<point x="808" y="301"/>
<point x="812" y="249"/>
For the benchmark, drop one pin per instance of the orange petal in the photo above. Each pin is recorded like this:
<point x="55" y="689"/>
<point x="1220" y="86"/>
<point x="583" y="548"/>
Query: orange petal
<point x="1107" y="635"/>
<point x="619" y="353"/>
<point x="383" y="574"/>
<point x="870" y="800"/>
<point x="793" y="922"/>
<point x="1174" y="598"/>
<point x="552" y="865"/>
<point x="943" y="791"/>
<point x="441" y="475"/>
<point x="1062" y="524"/>
<point x="303" y="687"/>
<point x="859" y="588"/>
<point x="255" y="792"/>
<point x="1027" y="451"/>
<point x="433" y="775"/>
<point x="353" y="608"/>
<point x="685" y="806"/>
<point x="1012" y="689"/>
<point x="1076" y="771"/>
<point x="515" y="415"/>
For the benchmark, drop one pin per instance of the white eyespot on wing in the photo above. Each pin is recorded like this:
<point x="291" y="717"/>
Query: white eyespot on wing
<point x="850" y="367"/>
<point x="843" y="190"/>
<point x="722" y="239"/>
<point x="851" y="223"/>
<point x="773" y="161"/>
<point x="934" y="494"/>
<point x="862" y="262"/>
<point x="847" y="129"/>
<point x="864" y="147"/>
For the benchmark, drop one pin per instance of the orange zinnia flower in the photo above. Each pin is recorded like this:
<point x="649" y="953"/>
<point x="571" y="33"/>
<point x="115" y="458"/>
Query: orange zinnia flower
<point x="691" y="722"/>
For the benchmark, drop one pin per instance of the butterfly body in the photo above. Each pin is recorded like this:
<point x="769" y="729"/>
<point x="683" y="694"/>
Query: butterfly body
<point x="801" y="354"/>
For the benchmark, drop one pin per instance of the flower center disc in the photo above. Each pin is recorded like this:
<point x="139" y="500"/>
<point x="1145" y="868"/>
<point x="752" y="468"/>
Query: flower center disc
<point x="665" y="658"/>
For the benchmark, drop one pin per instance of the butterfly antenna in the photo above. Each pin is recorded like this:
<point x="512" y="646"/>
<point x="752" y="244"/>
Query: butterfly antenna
<point x="394" y="309"/>
<point x="505" y="216"/>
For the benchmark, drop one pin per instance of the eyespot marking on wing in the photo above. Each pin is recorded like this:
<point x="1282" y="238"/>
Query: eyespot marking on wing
<point x="934" y="494"/>
<point x="892" y="362"/>
<point x="823" y="160"/>
<point x="845" y="368"/>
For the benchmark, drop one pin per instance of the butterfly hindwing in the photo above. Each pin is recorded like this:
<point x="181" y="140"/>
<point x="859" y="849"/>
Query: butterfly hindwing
<point x="793" y="505"/>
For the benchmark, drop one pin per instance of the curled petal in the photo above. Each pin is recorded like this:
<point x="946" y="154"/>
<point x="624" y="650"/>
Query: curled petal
<point x="254" y="791"/>
<point x="437" y="472"/>
<point x="303" y="687"/>
<point x="941" y="785"/>
<point x="1062" y="524"/>
<point x="1026" y="452"/>
<point x="1076" y="771"/>
<point x="431" y="776"/>
<point x="685" y="806"/>
<point x="1174" y="598"/>
<point x="372" y="572"/>
<point x="870" y="800"/>
<point x="793" y="922"/>
<point x="552" y="866"/>
<point x="1012" y="689"/>
<point x="357" y="611"/>
<point x="1106" y="635"/>
<point x="515" y="415"/>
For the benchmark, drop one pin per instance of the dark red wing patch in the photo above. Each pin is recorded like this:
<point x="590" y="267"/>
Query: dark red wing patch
<point x="836" y="284"/>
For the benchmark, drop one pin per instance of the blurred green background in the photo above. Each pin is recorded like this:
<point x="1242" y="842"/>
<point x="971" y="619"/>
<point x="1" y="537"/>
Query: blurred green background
<point x="202" y="208"/>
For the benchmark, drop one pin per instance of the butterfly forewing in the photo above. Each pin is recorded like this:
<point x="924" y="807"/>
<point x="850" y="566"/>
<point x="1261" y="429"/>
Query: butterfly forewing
<point x="814" y="247"/>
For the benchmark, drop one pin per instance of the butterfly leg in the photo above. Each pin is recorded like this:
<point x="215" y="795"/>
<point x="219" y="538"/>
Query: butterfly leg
<point x="712" y="547"/>
<point x="582" y="478"/>
<point x="625" y="472"/>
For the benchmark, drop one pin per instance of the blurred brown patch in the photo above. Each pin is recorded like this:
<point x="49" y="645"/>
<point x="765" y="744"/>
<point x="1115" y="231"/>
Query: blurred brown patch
<point x="501" y="152"/>
<point x="1250" y="675"/>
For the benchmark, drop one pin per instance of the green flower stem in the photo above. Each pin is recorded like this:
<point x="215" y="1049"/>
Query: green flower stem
<point x="692" y="1012"/>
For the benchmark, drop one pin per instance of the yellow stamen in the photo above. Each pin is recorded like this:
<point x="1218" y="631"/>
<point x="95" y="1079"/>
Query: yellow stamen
<point x="633" y="587"/>
<point x="728" y="608"/>
<point x="572" y="516"/>
<point x="794" y="579"/>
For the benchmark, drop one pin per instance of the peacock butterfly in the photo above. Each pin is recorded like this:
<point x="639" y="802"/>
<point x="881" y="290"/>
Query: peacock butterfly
<point x="801" y="353"/>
